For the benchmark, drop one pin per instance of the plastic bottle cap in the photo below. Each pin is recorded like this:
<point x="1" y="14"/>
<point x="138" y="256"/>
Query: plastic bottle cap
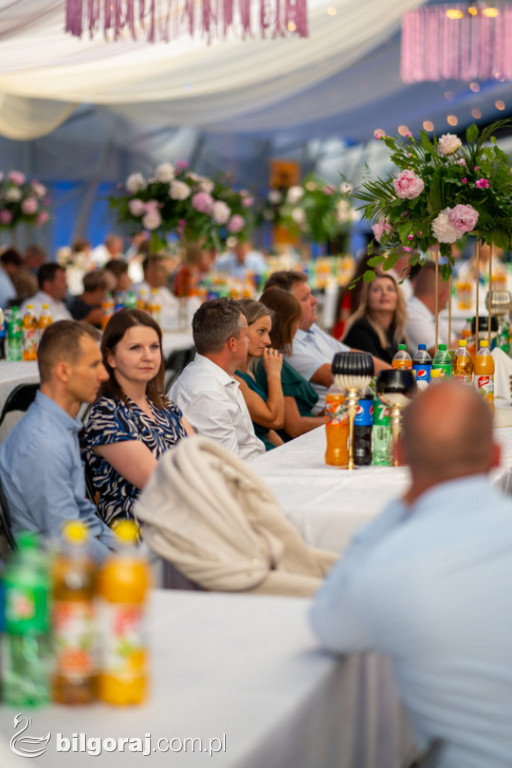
<point x="76" y="532"/>
<point x="463" y="342"/>
<point x="484" y="343"/>
<point x="422" y="346"/>
<point x="45" y="306"/>
<point x="27" y="540"/>
<point x="127" y="531"/>
<point x="402" y="346"/>
<point x="442" y="347"/>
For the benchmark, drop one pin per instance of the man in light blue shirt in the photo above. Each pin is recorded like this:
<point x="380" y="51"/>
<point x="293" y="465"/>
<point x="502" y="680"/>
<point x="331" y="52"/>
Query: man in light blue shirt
<point x="313" y="349"/>
<point x="428" y="584"/>
<point x="40" y="465"/>
<point x="240" y="261"/>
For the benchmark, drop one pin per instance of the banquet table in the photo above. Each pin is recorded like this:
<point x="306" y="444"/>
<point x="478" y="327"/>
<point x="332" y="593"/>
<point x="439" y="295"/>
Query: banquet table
<point x="327" y="504"/>
<point x="248" y="668"/>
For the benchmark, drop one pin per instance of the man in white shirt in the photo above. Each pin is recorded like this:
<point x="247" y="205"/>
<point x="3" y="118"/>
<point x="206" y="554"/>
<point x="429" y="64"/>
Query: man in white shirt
<point x="53" y="290"/>
<point x="421" y="318"/>
<point x="206" y="391"/>
<point x="112" y="248"/>
<point x="155" y="279"/>
<point x="240" y="261"/>
<point x="313" y="349"/>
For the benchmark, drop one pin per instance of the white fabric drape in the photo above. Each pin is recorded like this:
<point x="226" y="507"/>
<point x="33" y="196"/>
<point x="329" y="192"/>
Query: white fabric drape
<point x="185" y="82"/>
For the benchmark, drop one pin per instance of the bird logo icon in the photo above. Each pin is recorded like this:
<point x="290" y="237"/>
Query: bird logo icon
<point x="27" y="746"/>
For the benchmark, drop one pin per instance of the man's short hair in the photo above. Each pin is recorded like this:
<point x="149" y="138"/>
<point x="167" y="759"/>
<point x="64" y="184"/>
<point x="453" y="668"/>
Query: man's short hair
<point x="47" y="272"/>
<point x="116" y="267"/>
<point x="94" y="280"/>
<point x="61" y="342"/>
<point x="214" y="323"/>
<point x="11" y="256"/>
<point x="150" y="261"/>
<point x="285" y="279"/>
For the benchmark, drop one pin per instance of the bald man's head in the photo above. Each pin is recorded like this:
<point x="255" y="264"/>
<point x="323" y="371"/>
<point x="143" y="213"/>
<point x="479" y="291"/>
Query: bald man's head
<point x="448" y="433"/>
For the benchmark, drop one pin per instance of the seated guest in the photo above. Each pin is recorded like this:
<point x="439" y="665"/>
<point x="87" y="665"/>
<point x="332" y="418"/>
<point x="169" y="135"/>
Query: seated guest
<point x="197" y="262"/>
<point x="111" y="248"/>
<point x="10" y="263"/>
<point x="206" y="390"/>
<point x="427" y="583"/>
<point x="88" y="306"/>
<point x="34" y="257"/>
<point x="421" y="309"/>
<point x="42" y="473"/>
<point x="155" y="283"/>
<point x="378" y="324"/>
<point x="242" y="261"/>
<point x="313" y="349"/>
<point x="266" y="409"/>
<point x="132" y="423"/>
<point x="116" y="272"/>
<point x="53" y="289"/>
<point x="299" y="396"/>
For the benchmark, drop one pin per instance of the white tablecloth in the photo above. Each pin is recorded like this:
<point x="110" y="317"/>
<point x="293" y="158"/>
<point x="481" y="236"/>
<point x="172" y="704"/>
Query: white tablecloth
<point x="327" y="504"/>
<point x="12" y="374"/>
<point x="247" y="667"/>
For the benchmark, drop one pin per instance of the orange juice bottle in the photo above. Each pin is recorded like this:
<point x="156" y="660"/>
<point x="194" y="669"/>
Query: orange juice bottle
<point x="483" y="370"/>
<point x="142" y="300"/>
<point x="123" y="586"/>
<point x="108" y="310"/>
<point x="45" y="319"/>
<point x="30" y="334"/>
<point x="336" y="428"/>
<point x="74" y="627"/>
<point x="154" y="306"/>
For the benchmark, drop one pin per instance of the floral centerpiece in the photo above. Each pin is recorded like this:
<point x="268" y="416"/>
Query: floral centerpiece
<point x="22" y="201"/>
<point x="314" y="209"/>
<point x="176" y="200"/>
<point x="441" y="191"/>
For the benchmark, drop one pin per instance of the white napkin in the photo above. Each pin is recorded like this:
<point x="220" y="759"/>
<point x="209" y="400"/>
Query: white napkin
<point x="502" y="373"/>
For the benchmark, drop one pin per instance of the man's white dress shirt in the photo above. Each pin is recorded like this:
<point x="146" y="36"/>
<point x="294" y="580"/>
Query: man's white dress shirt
<point x="57" y="309"/>
<point x="421" y="324"/>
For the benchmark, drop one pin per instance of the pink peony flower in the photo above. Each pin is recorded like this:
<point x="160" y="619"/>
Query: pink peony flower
<point x="17" y="177"/>
<point x="464" y="180"/>
<point x="461" y="161"/>
<point x="475" y="168"/>
<point x="410" y="237"/>
<point x="5" y="216"/>
<point x="482" y="184"/>
<point x="406" y="249"/>
<point x="379" y="228"/>
<point x="39" y="189"/>
<point x="202" y="202"/>
<point x="29" y="206"/>
<point x="443" y="230"/>
<point x="236" y="223"/>
<point x="221" y="212"/>
<point x="181" y="165"/>
<point x="448" y="144"/>
<point x="247" y="201"/>
<point x="42" y="218"/>
<point x="407" y="185"/>
<point x="463" y="218"/>
<point x="408" y="135"/>
<point x="136" y="207"/>
<point x="152" y="219"/>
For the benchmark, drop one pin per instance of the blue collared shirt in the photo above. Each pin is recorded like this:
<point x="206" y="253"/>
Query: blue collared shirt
<point x="430" y="587"/>
<point x="43" y="475"/>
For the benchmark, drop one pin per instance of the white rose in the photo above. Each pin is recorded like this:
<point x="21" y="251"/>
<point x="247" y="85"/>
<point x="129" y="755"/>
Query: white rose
<point x="448" y="144"/>
<point x="39" y="189"/>
<point x="206" y="185"/>
<point x="298" y="215"/>
<point x="151" y="220"/>
<point x="346" y="188"/>
<point x="443" y="230"/>
<point x="165" y="173"/>
<point x="274" y="196"/>
<point x="135" y="183"/>
<point x="13" y="194"/>
<point x="294" y="195"/>
<point x="179" y="190"/>
<point x="221" y="212"/>
<point x="193" y="176"/>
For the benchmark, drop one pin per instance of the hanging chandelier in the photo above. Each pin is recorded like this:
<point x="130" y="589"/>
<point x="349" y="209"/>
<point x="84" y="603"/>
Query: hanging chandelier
<point x="165" y="20"/>
<point x="461" y="41"/>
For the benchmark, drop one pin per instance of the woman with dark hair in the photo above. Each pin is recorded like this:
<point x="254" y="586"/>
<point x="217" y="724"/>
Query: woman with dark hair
<point x="378" y="326"/>
<point x="132" y="423"/>
<point x="299" y="395"/>
<point x="266" y="408"/>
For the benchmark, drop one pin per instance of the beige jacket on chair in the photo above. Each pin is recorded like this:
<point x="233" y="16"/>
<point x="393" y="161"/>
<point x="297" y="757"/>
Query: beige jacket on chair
<point x="205" y="511"/>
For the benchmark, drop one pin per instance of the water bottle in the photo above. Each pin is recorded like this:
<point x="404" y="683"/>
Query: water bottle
<point x="422" y="364"/>
<point x="26" y="648"/>
<point x="382" y="437"/>
<point x="363" y="431"/>
<point x="442" y="362"/>
<point x="402" y="360"/>
<point x="14" y="336"/>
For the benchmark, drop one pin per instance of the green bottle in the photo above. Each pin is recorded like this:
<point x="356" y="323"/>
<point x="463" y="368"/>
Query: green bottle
<point x="26" y="641"/>
<point x="14" y="336"/>
<point x="442" y="361"/>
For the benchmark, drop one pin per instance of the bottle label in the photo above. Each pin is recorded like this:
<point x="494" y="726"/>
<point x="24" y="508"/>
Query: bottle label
<point x="30" y="339"/>
<point x="485" y="386"/>
<point x="364" y="414"/>
<point x="26" y="610"/>
<point x="123" y="642"/>
<point x="422" y="371"/>
<point x="380" y="413"/>
<point x="463" y="378"/>
<point x="401" y="365"/>
<point x="336" y="413"/>
<point x="75" y="638"/>
<point x="445" y="368"/>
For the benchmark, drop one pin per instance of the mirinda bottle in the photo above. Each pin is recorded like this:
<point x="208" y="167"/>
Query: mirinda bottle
<point x="30" y="334"/>
<point x="402" y="360"/>
<point x="123" y="586"/>
<point x="336" y="428"/>
<point x="484" y="373"/>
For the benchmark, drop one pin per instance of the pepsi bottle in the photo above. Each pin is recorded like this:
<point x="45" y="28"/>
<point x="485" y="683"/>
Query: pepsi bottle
<point x="363" y="424"/>
<point x="422" y="364"/>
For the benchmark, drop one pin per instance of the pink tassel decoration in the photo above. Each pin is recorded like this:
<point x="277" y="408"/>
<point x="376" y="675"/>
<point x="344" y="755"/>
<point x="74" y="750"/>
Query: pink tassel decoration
<point x="471" y="47"/>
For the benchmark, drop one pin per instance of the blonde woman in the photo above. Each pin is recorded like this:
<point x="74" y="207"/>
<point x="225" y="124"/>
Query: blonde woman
<point x="378" y="324"/>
